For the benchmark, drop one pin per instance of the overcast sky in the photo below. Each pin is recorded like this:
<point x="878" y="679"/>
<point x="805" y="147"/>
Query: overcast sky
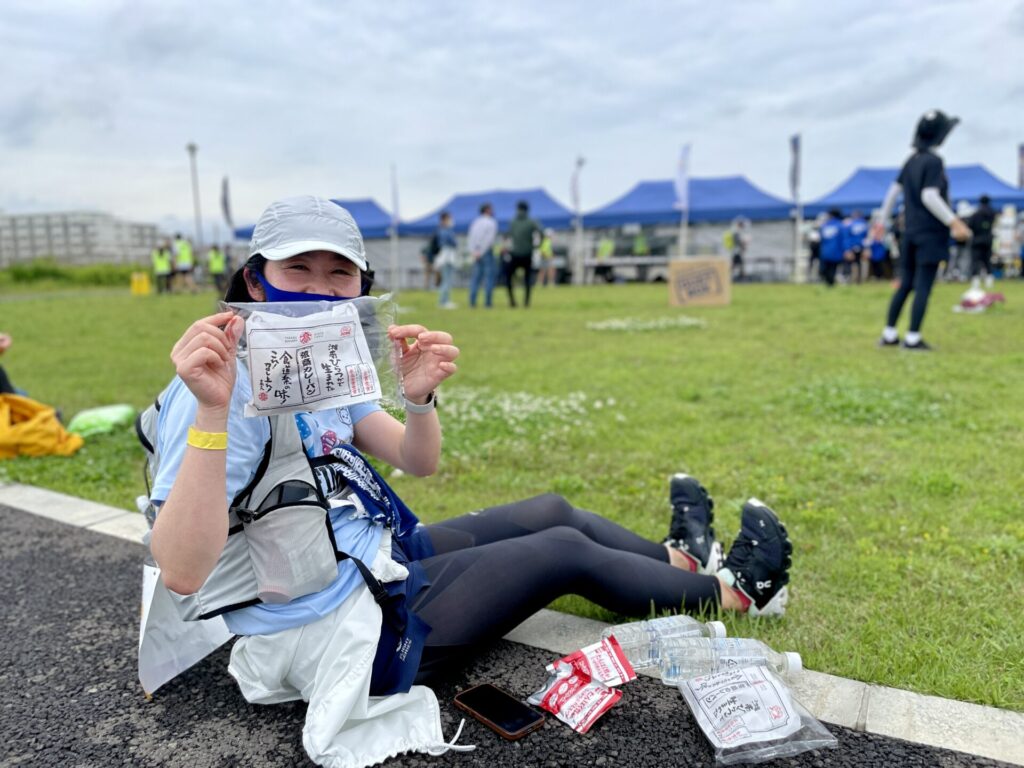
<point x="98" y="99"/>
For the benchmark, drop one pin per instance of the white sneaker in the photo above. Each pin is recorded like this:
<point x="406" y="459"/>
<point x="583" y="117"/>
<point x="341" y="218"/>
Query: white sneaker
<point x="450" y="305"/>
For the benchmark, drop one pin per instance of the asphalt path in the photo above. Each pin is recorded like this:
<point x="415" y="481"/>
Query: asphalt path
<point x="71" y="697"/>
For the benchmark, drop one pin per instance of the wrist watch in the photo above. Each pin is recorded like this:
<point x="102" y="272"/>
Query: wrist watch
<point x="426" y="407"/>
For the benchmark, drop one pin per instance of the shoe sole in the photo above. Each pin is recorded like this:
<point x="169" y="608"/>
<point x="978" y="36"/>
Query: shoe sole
<point x="773" y="608"/>
<point x="716" y="559"/>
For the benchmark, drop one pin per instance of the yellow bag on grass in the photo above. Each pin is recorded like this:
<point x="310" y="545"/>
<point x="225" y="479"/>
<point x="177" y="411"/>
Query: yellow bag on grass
<point x="29" y="428"/>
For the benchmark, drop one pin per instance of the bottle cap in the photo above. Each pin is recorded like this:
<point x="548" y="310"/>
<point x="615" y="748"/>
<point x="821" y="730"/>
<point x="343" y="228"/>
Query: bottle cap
<point x="796" y="664"/>
<point x="716" y="628"/>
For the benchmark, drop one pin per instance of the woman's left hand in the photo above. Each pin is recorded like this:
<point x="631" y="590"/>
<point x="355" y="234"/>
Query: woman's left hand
<point x="426" y="361"/>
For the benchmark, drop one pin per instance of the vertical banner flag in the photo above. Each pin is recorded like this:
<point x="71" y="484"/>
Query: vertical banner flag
<point x="1020" y="166"/>
<point x="225" y="205"/>
<point x="574" y="186"/>
<point x="794" y="166"/>
<point x="683" y="179"/>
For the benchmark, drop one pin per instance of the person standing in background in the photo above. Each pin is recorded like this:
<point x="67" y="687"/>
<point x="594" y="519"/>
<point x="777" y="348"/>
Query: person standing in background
<point x="982" y="222"/>
<point x="831" y="245"/>
<point x="547" y="259"/>
<point x="445" y="261"/>
<point x="929" y="222"/>
<point x="163" y="266"/>
<point x="605" y="251"/>
<point x="217" y="266"/>
<point x="855" y="232"/>
<point x="879" y="262"/>
<point x="482" y="234"/>
<point x="740" y="243"/>
<point x="956" y="268"/>
<point x="641" y="250"/>
<point x="521" y="231"/>
<point x="184" y="263"/>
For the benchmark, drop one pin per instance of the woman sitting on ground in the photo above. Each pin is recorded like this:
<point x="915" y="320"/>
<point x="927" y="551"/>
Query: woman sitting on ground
<point x="449" y="587"/>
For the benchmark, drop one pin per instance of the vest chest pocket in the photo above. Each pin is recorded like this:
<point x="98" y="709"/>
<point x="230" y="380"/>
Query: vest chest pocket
<point x="290" y="545"/>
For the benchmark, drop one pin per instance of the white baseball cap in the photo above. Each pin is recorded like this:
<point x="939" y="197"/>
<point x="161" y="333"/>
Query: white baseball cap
<point x="297" y="225"/>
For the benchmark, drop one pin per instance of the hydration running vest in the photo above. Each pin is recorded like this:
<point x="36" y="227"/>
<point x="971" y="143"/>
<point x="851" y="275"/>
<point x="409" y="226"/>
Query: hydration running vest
<point x="280" y="542"/>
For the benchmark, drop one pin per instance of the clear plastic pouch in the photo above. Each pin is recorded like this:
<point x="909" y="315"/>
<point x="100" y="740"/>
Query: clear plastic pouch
<point x="749" y="716"/>
<point x="314" y="355"/>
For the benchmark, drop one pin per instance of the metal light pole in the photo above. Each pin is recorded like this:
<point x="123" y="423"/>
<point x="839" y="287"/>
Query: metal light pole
<point x="579" y="248"/>
<point x="192" y="149"/>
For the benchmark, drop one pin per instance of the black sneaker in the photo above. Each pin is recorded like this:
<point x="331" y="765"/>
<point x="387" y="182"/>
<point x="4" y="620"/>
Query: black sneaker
<point x="884" y="342"/>
<point x="921" y="346"/>
<point x="758" y="562"/>
<point x="690" y="531"/>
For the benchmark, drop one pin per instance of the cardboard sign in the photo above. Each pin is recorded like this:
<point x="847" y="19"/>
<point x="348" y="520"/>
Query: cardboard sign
<point x="699" y="282"/>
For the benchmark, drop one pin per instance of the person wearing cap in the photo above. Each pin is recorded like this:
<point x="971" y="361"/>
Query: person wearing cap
<point x="450" y="587"/>
<point x="928" y="224"/>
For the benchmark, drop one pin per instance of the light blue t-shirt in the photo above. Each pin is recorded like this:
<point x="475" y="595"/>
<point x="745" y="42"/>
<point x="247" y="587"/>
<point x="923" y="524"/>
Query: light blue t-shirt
<point x="320" y="431"/>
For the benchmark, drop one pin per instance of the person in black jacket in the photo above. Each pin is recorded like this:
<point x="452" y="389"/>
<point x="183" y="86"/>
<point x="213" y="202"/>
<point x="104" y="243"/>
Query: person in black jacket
<point x="981" y="223"/>
<point x="929" y="223"/>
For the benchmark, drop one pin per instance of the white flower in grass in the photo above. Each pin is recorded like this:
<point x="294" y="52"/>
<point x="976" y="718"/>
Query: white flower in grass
<point x="634" y="324"/>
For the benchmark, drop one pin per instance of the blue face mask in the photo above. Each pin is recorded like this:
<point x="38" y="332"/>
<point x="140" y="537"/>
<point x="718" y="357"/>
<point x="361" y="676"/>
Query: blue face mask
<point x="276" y="294"/>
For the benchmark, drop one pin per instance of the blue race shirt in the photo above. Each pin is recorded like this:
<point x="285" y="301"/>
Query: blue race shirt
<point x="831" y="241"/>
<point x="320" y="431"/>
<point x="854" y="233"/>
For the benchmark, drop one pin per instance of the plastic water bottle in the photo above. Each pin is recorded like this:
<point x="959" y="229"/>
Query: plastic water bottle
<point x="641" y="640"/>
<point x="685" y="657"/>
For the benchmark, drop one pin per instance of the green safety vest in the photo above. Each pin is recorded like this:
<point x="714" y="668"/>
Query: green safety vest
<point x="161" y="261"/>
<point x="640" y="247"/>
<point x="547" y="248"/>
<point x="184" y="253"/>
<point x="605" y="248"/>
<point x="217" y="262"/>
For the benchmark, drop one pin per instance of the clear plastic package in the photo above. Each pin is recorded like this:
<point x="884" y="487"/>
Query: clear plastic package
<point x="749" y="716"/>
<point x="313" y="355"/>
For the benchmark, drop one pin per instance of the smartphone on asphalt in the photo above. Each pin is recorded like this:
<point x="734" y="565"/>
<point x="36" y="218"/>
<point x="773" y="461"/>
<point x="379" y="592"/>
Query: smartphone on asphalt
<point x="499" y="711"/>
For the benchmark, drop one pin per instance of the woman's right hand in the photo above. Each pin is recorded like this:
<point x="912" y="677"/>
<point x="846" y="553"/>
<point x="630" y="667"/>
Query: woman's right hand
<point x="204" y="358"/>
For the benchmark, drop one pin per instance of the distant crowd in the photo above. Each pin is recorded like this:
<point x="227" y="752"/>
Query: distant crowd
<point x="492" y="258"/>
<point x="850" y="249"/>
<point x="177" y="269"/>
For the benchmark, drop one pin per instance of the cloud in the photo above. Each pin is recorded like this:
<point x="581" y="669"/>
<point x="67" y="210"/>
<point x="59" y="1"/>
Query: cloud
<point x="325" y="96"/>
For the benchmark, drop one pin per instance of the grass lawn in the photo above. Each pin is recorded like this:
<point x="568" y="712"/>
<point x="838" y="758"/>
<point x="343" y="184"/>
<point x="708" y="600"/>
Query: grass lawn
<point x="898" y="474"/>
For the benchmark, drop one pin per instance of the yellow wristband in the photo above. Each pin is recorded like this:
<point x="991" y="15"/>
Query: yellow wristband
<point x="208" y="441"/>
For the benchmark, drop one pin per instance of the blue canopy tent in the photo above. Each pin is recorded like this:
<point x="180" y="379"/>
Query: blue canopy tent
<point x="374" y="222"/>
<point x="464" y="208"/>
<point x="711" y="200"/>
<point x="865" y="189"/>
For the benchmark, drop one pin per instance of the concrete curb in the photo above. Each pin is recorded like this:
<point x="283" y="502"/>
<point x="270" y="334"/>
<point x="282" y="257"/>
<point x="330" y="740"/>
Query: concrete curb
<point x="945" y="723"/>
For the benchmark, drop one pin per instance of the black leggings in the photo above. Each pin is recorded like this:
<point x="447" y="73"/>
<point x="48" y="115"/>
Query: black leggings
<point x="495" y="568"/>
<point x="919" y="264"/>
